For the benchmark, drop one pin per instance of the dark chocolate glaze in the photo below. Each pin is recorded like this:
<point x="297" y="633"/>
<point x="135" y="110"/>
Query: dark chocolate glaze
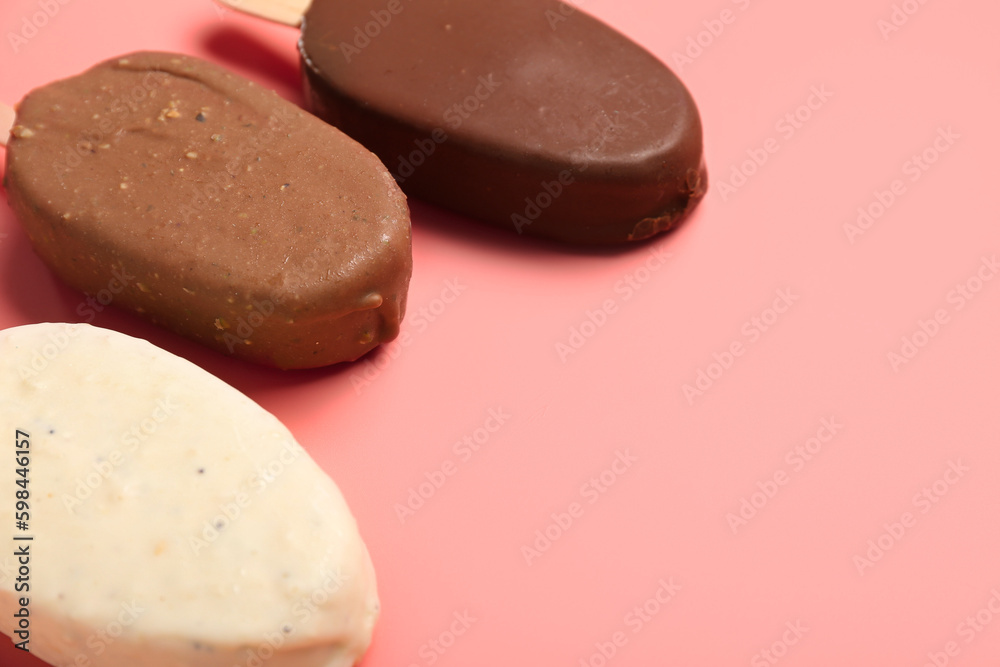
<point x="529" y="114"/>
<point x="193" y="197"/>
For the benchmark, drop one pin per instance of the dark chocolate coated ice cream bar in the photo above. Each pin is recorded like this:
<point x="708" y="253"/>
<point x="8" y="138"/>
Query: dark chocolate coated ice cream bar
<point x="529" y="114"/>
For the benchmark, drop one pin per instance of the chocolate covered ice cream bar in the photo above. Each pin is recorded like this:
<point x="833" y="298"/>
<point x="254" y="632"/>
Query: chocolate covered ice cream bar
<point x="182" y="192"/>
<point x="529" y="114"/>
<point x="171" y="520"/>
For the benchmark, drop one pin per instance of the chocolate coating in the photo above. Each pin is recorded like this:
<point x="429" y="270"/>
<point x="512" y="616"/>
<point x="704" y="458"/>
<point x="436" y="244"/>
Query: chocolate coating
<point x="213" y="207"/>
<point x="528" y="114"/>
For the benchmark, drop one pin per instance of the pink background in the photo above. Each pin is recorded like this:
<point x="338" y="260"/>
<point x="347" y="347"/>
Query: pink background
<point x="899" y="428"/>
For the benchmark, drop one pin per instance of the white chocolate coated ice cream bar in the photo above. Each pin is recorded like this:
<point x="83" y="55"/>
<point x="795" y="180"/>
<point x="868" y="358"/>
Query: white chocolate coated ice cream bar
<point x="165" y="519"/>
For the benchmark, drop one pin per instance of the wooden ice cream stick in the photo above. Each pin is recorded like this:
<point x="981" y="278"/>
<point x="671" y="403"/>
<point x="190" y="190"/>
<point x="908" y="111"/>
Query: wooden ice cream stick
<point x="288" y="12"/>
<point x="6" y="122"/>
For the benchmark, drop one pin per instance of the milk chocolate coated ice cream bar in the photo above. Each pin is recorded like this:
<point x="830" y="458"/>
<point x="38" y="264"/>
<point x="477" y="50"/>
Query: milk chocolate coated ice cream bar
<point x="206" y="204"/>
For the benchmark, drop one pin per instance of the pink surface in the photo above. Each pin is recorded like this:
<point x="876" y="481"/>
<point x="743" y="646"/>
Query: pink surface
<point x="868" y="482"/>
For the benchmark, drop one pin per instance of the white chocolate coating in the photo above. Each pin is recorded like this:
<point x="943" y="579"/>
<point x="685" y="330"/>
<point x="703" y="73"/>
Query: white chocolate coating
<point x="174" y="521"/>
